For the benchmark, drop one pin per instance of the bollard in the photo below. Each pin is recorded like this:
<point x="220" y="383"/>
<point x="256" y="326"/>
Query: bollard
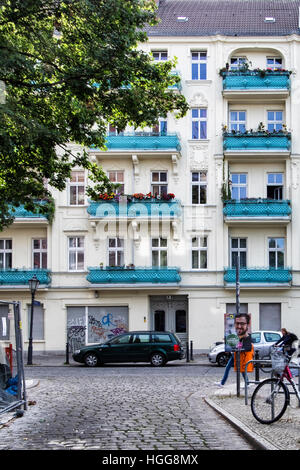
<point x="256" y="366"/>
<point x="192" y="353"/>
<point x="67" y="354"/>
<point x="238" y="378"/>
<point x="187" y="352"/>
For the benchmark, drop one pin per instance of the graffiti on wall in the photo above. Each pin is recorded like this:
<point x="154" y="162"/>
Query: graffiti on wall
<point x="103" y="326"/>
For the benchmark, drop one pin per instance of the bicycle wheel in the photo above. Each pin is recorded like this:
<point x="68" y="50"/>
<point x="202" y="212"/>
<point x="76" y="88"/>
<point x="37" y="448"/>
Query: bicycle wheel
<point x="269" y="401"/>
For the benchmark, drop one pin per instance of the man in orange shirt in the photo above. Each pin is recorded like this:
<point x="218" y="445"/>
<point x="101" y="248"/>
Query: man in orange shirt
<point x="241" y="323"/>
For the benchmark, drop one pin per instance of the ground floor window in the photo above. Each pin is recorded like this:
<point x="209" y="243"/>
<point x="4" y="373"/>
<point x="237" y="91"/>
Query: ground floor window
<point x="4" y="323"/>
<point x="38" y="322"/>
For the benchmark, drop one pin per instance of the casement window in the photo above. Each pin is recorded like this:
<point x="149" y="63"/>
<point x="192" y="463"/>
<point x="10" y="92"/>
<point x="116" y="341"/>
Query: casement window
<point x="5" y="254"/>
<point x="115" y="251"/>
<point x="38" y="324"/>
<point x="39" y="253"/>
<point x="160" y="56"/>
<point x="238" y="246"/>
<point x="275" y="120"/>
<point x="161" y="128"/>
<point x="199" y="65"/>
<point x="199" y="123"/>
<point x="159" y="252"/>
<point x="237" y="121"/>
<point x="237" y="62"/>
<point x="199" y="187"/>
<point x="159" y="182"/>
<point x="239" y="186"/>
<point x="275" y="186"/>
<point x="76" y="253"/>
<point x="77" y="188"/>
<point x="117" y="176"/>
<point x="199" y="253"/>
<point x="274" y="63"/>
<point x="276" y="252"/>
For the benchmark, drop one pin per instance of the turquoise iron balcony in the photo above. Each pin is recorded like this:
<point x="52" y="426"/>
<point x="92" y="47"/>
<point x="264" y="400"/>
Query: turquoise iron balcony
<point x="247" y="208"/>
<point x="259" y="276"/>
<point x="135" y="275"/>
<point x="134" y="208"/>
<point x="256" y="141"/>
<point x="21" y="276"/>
<point x="20" y="212"/>
<point x="255" y="80"/>
<point x="143" y="141"/>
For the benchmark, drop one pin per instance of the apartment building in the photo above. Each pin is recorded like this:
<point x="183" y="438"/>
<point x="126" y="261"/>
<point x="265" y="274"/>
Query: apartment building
<point x="226" y="180"/>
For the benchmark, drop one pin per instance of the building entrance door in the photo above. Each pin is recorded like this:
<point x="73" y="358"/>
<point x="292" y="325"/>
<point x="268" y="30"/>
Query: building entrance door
<point x="170" y="313"/>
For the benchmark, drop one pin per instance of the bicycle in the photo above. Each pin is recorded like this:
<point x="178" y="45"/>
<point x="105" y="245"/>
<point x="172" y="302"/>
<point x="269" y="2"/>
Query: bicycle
<point x="272" y="396"/>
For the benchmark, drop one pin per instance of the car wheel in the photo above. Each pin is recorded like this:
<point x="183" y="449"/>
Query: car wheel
<point x="157" y="360"/>
<point x="91" y="360"/>
<point x="222" y="359"/>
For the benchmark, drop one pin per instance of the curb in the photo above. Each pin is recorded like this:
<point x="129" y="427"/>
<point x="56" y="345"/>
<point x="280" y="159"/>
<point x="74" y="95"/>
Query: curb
<point x="250" y="435"/>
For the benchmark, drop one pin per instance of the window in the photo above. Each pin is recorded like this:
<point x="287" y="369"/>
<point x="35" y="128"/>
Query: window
<point x="116" y="176"/>
<point x="76" y="253"/>
<point x="4" y="322"/>
<point x="276" y="252"/>
<point x="199" y="65"/>
<point x="161" y="128"/>
<point x="159" y="182"/>
<point x="140" y="338"/>
<point x="275" y="120"/>
<point x="199" y="187"/>
<point x="239" y="186"/>
<point x="5" y="254"/>
<point x="199" y="123"/>
<point x="237" y="121"/>
<point x="77" y="188"/>
<point x="160" y="56"/>
<point x="274" y="63"/>
<point x="116" y="251"/>
<point x="38" y="323"/>
<point x="199" y="253"/>
<point x="256" y="337"/>
<point x="238" y="247"/>
<point x="180" y="321"/>
<point x="159" y="320"/>
<point x="159" y="252"/>
<point x="121" y="340"/>
<point x="271" y="337"/>
<point x="39" y="253"/>
<point x="161" y="338"/>
<point x="237" y="62"/>
<point x="275" y="186"/>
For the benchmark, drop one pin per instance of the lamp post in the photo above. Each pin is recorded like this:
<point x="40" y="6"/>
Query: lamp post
<point x="33" y="285"/>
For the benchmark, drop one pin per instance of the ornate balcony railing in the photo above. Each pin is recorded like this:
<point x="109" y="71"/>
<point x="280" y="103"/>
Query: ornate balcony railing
<point x="259" y="276"/>
<point x="135" y="208"/>
<point x="256" y="141"/>
<point x="135" y="275"/>
<point x="21" y="276"/>
<point x="254" y="80"/>
<point x="257" y="208"/>
<point x="143" y="141"/>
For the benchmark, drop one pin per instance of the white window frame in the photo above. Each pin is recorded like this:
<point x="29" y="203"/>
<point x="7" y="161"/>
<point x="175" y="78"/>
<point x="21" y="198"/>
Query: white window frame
<point x="77" y="250"/>
<point x="276" y="250"/>
<point x="40" y="251"/>
<point x="198" y="61"/>
<point x="200" y="184"/>
<point x="239" y="122"/>
<point x="159" y="183"/>
<point x="159" y="249"/>
<point x="119" y="190"/>
<point x="77" y="184"/>
<point x="116" y="250"/>
<point x="159" y="57"/>
<point x="275" y="122"/>
<point x="199" y="119"/>
<point x="161" y="127"/>
<point x="239" y="185"/>
<point x="274" y="66"/>
<point x="200" y="247"/>
<point x="240" y="62"/>
<point x="239" y="249"/>
<point x="6" y="251"/>
<point x="276" y="183"/>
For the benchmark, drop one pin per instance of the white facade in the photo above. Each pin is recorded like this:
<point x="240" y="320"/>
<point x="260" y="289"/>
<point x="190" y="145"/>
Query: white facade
<point x="202" y="292"/>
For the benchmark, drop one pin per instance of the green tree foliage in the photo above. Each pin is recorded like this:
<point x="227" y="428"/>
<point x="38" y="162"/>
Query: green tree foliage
<point x="69" y="67"/>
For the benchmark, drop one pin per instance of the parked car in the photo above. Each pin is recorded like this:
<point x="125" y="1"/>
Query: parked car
<point x="262" y="341"/>
<point x="156" y="347"/>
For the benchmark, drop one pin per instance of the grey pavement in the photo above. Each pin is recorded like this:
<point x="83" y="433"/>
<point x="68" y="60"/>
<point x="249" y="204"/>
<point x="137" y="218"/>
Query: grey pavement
<point x="175" y="407"/>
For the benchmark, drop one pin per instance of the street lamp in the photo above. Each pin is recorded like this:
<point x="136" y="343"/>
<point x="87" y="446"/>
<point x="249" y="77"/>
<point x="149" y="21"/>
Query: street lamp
<point x="33" y="285"/>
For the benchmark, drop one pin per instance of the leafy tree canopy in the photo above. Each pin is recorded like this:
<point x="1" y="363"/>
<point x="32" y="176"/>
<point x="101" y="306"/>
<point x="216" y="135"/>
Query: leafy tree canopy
<point x="68" y="68"/>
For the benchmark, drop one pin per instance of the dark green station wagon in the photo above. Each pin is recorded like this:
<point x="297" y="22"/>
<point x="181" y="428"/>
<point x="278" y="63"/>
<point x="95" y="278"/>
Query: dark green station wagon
<point x="156" y="347"/>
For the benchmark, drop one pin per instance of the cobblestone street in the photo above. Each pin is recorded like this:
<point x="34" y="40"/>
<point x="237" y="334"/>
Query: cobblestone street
<point x="121" y="408"/>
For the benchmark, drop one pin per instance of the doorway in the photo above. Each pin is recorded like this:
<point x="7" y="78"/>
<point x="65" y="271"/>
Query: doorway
<point x="170" y="313"/>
